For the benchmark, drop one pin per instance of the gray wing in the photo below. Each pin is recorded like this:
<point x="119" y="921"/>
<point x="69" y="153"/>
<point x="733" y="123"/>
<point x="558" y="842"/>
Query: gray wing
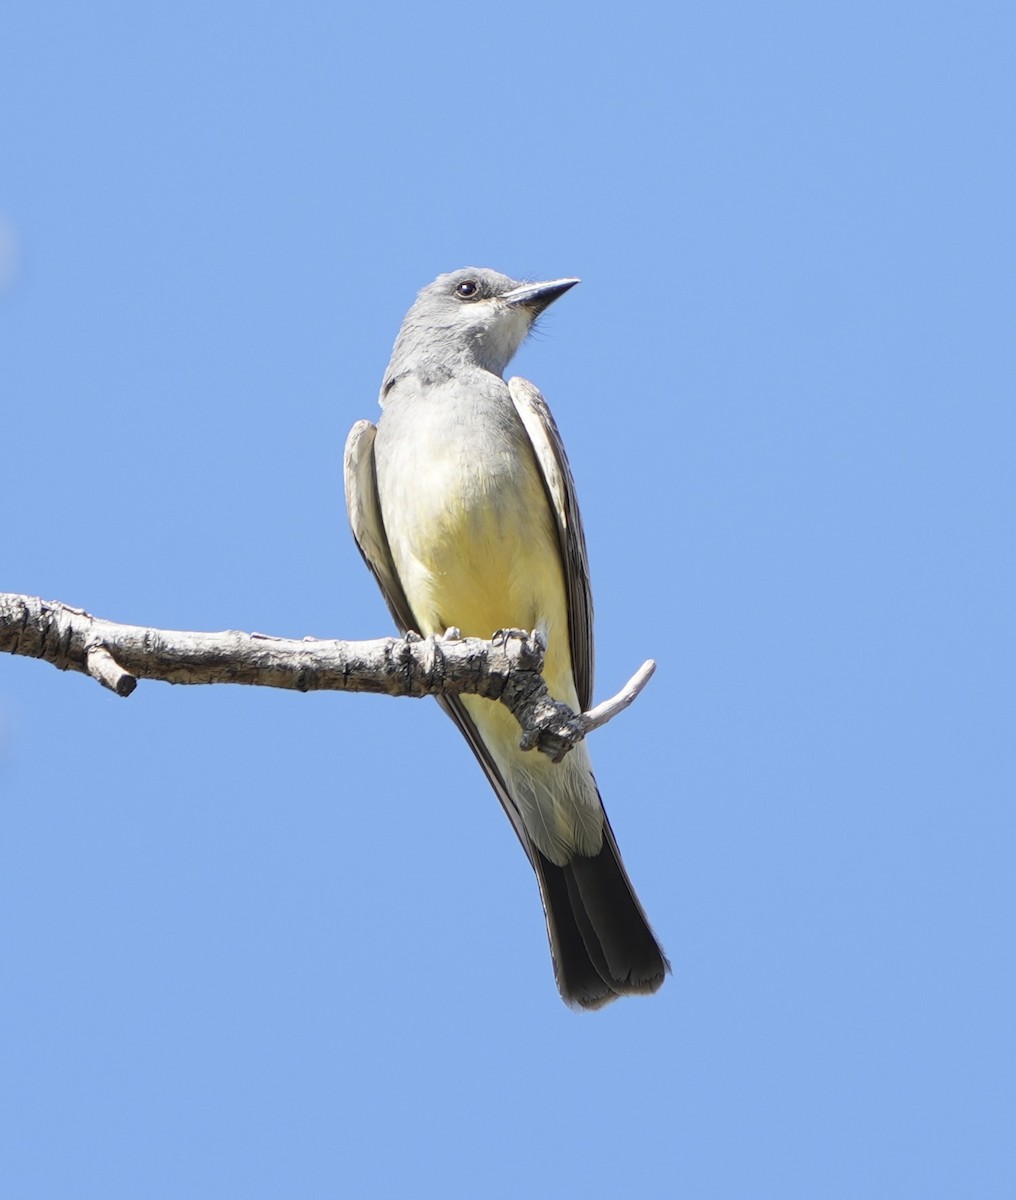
<point x="364" y="510"/>
<point x="557" y="478"/>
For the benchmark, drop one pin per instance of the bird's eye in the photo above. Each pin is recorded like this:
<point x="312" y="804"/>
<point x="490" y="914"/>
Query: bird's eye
<point x="468" y="289"/>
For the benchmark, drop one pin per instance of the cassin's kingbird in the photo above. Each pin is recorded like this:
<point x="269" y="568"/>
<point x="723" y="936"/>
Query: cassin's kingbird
<point x="463" y="505"/>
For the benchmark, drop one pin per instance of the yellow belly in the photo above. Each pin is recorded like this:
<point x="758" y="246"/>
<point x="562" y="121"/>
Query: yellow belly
<point x="483" y="562"/>
<point x="480" y="552"/>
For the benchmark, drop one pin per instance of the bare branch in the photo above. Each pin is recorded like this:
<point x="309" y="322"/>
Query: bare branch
<point x="506" y="669"/>
<point x="602" y="713"/>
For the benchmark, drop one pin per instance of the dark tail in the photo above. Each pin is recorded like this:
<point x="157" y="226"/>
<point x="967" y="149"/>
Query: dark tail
<point x="600" y="940"/>
<point x="599" y="936"/>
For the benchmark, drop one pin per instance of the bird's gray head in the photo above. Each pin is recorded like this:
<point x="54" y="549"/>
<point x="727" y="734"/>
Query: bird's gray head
<point x="469" y="318"/>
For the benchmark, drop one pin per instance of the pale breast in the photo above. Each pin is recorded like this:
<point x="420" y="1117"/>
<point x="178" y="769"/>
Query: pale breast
<point x="468" y="520"/>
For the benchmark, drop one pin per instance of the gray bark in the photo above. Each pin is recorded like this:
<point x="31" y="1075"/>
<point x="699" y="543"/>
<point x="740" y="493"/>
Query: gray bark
<point x="506" y="669"/>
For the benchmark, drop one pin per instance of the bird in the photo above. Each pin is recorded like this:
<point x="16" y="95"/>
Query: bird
<point x="462" y="503"/>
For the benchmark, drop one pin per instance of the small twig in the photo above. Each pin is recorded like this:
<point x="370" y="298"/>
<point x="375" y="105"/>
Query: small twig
<point x="602" y="713"/>
<point x="552" y="727"/>
<point x="104" y="667"/>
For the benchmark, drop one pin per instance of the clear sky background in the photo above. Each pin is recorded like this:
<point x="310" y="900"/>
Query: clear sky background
<point x="264" y="944"/>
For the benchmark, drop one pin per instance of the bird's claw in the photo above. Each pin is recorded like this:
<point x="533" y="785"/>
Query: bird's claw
<point x="501" y="637"/>
<point x="534" y="637"/>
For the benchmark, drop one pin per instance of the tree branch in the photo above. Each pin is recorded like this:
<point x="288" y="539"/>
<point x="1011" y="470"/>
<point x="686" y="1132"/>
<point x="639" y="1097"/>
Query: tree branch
<point x="506" y="669"/>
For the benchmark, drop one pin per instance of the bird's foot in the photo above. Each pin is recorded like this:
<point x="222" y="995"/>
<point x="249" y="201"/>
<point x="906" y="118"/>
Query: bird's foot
<point x="502" y="637"/>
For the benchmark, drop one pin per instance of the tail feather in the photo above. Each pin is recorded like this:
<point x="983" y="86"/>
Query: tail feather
<point x="600" y="940"/>
<point x="580" y="980"/>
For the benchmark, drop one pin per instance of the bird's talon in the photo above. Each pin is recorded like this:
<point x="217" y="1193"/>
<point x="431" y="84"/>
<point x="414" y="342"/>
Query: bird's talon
<point x="502" y="637"/>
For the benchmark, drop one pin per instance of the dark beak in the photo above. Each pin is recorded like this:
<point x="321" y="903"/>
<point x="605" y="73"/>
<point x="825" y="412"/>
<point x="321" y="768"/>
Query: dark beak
<point x="538" y="296"/>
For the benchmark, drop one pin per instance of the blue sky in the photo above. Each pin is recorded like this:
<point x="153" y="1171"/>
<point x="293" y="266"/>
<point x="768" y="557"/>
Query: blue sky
<point x="262" y="944"/>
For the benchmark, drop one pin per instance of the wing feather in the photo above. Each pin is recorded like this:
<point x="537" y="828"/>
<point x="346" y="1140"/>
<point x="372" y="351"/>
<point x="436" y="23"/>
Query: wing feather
<point x="364" y="510"/>
<point x="557" y="478"/>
